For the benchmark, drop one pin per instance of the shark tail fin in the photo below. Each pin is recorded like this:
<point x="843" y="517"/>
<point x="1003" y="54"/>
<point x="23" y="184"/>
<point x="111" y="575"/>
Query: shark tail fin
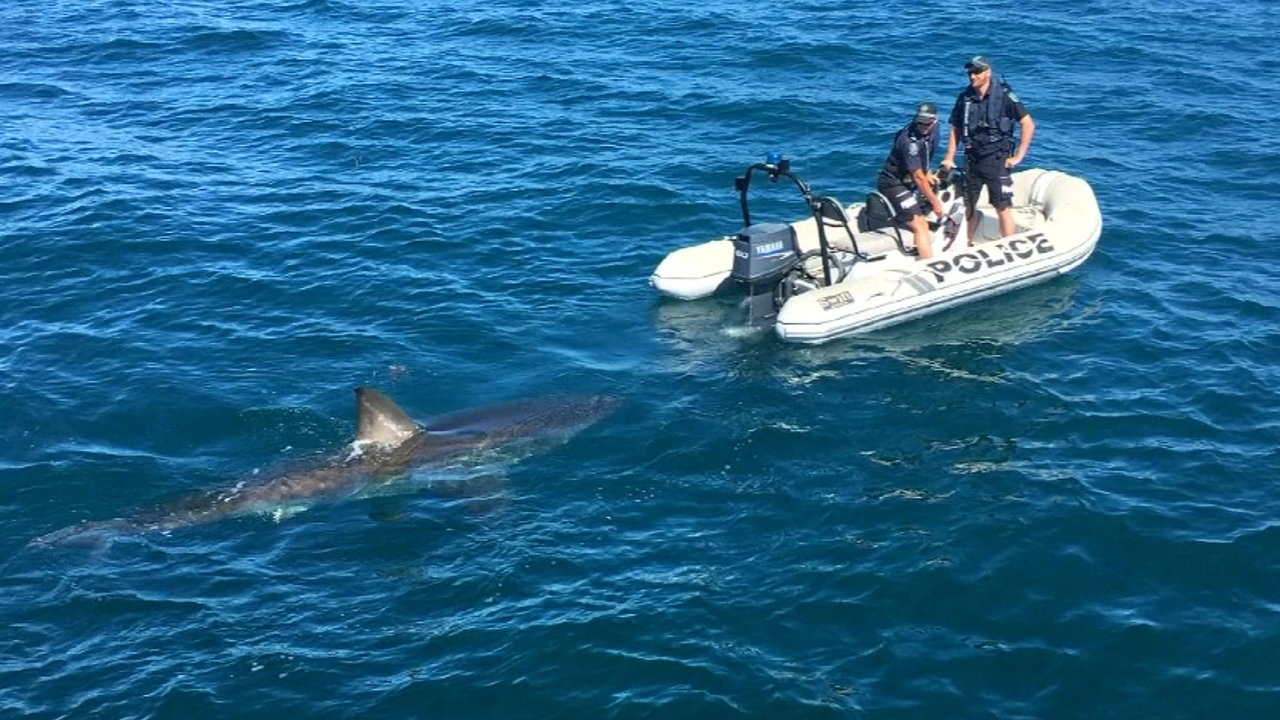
<point x="380" y="420"/>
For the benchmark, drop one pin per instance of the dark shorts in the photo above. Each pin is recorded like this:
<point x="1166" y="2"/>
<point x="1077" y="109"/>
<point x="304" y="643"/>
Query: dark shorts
<point x="987" y="171"/>
<point x="905" y="203"/>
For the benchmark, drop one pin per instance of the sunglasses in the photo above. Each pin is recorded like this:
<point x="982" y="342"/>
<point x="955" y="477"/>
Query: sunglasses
<point x="975" y="71"/>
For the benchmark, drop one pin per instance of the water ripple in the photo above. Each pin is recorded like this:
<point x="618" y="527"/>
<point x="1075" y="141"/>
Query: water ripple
<point x="221" y="217"/>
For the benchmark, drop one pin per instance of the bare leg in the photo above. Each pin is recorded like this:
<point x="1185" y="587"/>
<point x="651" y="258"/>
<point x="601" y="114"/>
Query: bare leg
<point x="1007" y="226"/>
<point x="924" y="244"/>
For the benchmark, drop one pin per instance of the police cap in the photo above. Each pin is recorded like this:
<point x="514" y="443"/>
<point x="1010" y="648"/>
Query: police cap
<point x="978" y="63"/>
<point x="926" y="112"/>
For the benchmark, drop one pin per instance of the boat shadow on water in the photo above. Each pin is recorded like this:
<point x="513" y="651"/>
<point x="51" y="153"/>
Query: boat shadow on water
<point x="707" y="331"/>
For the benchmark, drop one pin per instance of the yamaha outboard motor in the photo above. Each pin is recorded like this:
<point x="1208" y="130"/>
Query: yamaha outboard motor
<point x="763" y="254"/>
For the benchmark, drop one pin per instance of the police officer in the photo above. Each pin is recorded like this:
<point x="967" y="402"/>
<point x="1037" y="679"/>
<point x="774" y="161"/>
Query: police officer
<point x="906" y="171"/>
<point x="984" y="119"/>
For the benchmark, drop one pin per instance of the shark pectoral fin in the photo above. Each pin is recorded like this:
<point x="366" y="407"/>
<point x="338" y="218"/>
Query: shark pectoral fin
<point x="381" y="421"/>
<point x="479" y="494"/>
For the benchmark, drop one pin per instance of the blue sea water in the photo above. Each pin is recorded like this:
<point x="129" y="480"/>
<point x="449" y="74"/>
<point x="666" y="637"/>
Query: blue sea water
<point x="216" y="218"/>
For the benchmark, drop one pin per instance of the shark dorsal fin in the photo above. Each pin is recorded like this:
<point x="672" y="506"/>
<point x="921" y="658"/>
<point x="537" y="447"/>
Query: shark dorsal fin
<point x="380" y="420"/>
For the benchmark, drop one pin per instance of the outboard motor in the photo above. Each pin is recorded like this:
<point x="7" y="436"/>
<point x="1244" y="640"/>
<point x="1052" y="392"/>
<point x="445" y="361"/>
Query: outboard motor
<point x="763" y="254"/>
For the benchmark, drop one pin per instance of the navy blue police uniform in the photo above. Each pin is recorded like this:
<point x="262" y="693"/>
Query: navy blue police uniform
<point x="986" y="129"/>
<point x="912" y="150"/>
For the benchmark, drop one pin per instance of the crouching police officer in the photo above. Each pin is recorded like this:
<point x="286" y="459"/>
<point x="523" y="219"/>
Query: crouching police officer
<point x="984" y="119"/>
<point x="907" y="171"/>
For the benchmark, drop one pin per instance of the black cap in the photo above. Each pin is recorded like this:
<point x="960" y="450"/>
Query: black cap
<point x="926" y="112"/>
<point x="978" y="62"/>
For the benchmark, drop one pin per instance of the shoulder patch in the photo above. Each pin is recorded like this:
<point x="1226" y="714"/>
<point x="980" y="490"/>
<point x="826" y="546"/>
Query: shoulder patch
<point x="1014" y="96"/>
<point x="913" y="148"/>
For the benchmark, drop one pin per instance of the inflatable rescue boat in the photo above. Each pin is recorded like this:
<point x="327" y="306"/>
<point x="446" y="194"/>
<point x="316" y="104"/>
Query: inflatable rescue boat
<point x="851" y="269"/>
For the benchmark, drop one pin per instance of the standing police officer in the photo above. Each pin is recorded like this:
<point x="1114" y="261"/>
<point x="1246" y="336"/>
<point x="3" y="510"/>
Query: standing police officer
<point x="983" y="120"/>
<point x="907" y="170"/>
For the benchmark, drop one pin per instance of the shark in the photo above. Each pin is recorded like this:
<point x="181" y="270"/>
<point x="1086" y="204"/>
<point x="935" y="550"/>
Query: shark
<point x="392" y="454"/>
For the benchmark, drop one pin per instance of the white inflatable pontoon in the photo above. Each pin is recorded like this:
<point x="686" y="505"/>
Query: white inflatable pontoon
<point x="848" y="270"/>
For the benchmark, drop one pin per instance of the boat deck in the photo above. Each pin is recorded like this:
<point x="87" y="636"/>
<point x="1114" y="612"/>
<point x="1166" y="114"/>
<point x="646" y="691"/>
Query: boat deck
<point x="883" y="241"/>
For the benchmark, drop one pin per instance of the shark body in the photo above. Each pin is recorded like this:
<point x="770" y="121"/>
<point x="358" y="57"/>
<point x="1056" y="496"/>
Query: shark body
<point x="388" y="449"/>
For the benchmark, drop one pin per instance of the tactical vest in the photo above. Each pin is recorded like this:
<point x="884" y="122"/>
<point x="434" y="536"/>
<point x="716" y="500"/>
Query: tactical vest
<point x="895" y="170"/>
<point x="986" y="132"/>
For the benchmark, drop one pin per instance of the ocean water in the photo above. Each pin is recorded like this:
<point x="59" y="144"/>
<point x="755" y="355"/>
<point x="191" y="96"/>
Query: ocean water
<point x="217" y="218"/>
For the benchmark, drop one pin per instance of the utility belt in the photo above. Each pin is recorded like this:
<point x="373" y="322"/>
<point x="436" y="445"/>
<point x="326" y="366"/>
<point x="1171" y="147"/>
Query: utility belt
<point x="990" y="146"/>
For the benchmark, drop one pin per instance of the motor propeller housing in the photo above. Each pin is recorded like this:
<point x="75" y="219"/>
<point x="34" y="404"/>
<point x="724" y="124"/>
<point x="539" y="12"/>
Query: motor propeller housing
<point x="763" y="254"/>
